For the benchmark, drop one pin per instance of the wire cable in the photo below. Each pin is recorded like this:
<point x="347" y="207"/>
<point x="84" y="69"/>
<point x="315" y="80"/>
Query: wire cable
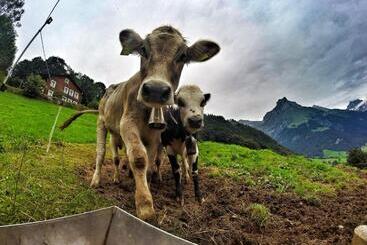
<point x="53" y="9"/>
<point x="45" y="57"/>
<point x="47" y="22"/>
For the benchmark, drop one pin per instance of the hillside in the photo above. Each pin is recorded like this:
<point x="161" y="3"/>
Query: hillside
<point x="311" y="130"/>
<point x="27" y="119"/>
<point x="83" y="130"/>
<point x="218" y="129"/>
<point x="237" y="182"/>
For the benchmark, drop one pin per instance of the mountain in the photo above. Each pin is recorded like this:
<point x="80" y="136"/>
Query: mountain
<point x="357" y="105"/>
<point x="310" y="130"/>
<point x="218" y="129"/>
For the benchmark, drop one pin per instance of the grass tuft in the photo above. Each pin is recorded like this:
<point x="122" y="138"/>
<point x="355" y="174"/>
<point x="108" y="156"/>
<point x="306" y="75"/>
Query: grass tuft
<point x="259" y="213"/>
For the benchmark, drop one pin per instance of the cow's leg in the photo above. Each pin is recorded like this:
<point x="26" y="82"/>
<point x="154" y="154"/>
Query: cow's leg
<point x="152" y="152"/>
<point x="176" y="170"/>
<point x="158" y="161"/>
<point x="138" y="161"/>
<point x="115" y="142"/>
<point x="193" y="160"/>
<point x="185" y="168"/>
<point x="101" y="151"/>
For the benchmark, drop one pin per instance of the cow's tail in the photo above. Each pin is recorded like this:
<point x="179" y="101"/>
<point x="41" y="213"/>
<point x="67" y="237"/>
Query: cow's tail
<point x="75" y="116"/>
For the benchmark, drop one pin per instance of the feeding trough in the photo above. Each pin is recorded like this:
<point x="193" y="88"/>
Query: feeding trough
<point x="108" y="226"/>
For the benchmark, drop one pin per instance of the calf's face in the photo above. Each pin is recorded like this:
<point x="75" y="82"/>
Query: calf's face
<point x="191" y="102"/>
<point x="163" y="54"/>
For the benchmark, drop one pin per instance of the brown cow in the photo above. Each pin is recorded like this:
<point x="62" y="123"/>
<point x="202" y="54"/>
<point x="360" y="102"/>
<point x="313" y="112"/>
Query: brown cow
<point x="125" y="108"/>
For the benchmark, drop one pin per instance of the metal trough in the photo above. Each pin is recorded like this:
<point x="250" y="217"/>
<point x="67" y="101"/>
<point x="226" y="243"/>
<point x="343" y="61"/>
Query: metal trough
<point x="107" y="226"/>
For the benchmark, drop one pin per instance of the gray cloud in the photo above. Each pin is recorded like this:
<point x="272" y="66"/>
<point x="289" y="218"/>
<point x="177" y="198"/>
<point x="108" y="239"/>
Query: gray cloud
<point x="313" y="52"/>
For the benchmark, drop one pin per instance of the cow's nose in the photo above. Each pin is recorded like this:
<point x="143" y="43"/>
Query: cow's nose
<point x="156" y="93"/>
<point x="195" y="122"/>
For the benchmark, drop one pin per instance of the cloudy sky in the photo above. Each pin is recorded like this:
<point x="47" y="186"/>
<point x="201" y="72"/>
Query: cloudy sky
<point x="311" y="51"/>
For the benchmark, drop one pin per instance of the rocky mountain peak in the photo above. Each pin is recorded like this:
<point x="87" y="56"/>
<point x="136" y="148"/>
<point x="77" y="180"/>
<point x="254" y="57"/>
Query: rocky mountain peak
<point x="357" y="105"/>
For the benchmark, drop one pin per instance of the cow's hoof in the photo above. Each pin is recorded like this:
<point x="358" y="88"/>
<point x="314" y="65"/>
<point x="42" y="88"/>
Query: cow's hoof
<point x="154" y="178"/>
<point x="187" y="179"/>
<point x="200" y="200"/>
<point x="146" y="213"/>
<point x="95" y="181"/>
<point x="116" y="179"/>
<point x="180" y="200"/>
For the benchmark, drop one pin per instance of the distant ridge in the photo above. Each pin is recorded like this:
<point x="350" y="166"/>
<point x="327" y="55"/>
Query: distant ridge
<point x="310" y="130"/>
<point x="357" y="105"/>
<point x="218" y="129"/>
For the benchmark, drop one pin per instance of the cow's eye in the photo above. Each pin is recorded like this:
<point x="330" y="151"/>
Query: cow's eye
<point x="203" y="103"/>
<point x="180" y="103"/>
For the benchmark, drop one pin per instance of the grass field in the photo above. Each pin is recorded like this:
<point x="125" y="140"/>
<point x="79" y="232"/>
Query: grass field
<point x="29" y="119"/>
<point x="35" y="185"/>
<point x="340" y="156"/>
<point x="307" y="177"/>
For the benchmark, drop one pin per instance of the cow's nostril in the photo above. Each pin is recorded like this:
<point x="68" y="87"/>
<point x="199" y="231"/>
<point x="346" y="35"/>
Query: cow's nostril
<point x="146" y="89"/>
<point x="166" y="92"/>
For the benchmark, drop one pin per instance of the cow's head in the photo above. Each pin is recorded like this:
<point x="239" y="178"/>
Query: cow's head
<point x="191" y="102"/>
<point x="163" y="54"/>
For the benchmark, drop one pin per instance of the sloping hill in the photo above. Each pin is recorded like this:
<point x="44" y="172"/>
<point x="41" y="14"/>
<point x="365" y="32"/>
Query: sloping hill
<point x="218" y="129"/>
<point x="310" y="130"/>
<point x="33" y="119"/>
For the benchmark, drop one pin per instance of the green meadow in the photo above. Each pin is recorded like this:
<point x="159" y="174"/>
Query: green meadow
<point x="35" y="185"/>
<point x="31" y="119"/>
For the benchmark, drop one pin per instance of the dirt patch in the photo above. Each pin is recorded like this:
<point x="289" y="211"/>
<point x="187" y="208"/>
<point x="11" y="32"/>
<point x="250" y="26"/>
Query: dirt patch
<point x="224" y="217"/>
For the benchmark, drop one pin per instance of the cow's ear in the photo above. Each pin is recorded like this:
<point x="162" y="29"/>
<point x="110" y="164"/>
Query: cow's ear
<point x="131" y="42"/>
<point x="202" y="51"/>
<point x="205" y="100"/>
<point x="175" y="97"/>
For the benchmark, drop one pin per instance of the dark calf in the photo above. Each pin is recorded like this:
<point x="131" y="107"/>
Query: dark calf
<point x="179" y="138"/>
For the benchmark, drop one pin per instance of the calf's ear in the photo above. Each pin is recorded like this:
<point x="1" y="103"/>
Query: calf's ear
<point x="207" y="97"/>
<point x="131" y="42"/>
<point x="202" y="51"/>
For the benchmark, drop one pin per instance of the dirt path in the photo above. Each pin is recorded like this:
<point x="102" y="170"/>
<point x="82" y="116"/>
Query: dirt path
<point x="224" y="219"/>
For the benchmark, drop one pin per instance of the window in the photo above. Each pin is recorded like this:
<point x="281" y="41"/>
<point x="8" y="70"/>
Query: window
<point x="67" y="80"/>
<point x="69" y="100"/>
<point x="71" y="92"/>
<point x="76" y="95"/>
<point x="66" y="90"/>
<point x="53" y="84"/>
<point x="50" y="93"/>
<point x="64" y="98"/>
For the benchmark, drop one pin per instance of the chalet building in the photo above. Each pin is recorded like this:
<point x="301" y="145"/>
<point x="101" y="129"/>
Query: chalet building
<point x="64" y="87"/>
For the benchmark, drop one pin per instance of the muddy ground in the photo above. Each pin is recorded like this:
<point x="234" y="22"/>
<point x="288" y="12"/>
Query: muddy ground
<point x="224" y="217"/>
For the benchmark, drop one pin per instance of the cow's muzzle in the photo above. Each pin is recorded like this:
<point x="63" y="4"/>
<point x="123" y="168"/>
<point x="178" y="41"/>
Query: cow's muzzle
<point x="195" y="122"/>
<point x="156" y="92"/>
